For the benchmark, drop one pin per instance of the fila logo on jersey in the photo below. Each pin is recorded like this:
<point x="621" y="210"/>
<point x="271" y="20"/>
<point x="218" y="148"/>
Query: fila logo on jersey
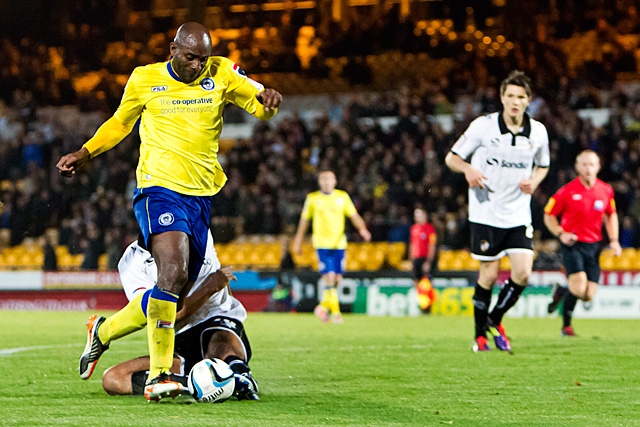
<point x="158" y="88"/>
<point x="166" y="219"/>
<point x="207" y="83"/>
<point x="577" y="197"/>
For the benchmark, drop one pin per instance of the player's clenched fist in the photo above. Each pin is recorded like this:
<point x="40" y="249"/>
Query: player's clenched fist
<point x="71" y="162"/>
<point x="270" y="98"/>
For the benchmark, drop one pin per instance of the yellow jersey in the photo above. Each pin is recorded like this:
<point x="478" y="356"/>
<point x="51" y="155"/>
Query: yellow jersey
<point x="328" y="212"/>
<point x="180" y="123"/>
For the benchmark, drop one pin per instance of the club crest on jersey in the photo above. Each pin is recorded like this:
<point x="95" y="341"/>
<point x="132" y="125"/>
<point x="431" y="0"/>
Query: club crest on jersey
<point x="239" y="70"/>
<point x="598" y="205"/>
<point x="166" y="219"/>
<point x="158" y="88"/>
<point x="207" y="83"/>
<point x="484" y="245"/>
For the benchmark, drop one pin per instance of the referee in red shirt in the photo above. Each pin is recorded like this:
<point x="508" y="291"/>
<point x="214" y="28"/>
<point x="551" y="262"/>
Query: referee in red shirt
<point x="582" y="204"/>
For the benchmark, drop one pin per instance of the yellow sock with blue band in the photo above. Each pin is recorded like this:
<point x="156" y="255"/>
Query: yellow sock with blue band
<point x="132" y="317"/>
<point x="161" y="317"/>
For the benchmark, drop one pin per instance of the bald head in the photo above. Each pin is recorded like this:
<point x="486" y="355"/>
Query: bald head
<point x="190" y="51"/>
<point x="588" y="166"/>
<point x="193" y="34"/>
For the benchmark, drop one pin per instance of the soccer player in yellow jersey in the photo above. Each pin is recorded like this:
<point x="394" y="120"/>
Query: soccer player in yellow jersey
<point x="179" y="104"/>
<point x="327" y="209"/>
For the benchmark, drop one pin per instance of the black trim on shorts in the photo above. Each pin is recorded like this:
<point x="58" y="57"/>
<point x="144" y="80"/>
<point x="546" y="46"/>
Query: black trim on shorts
<point x="489" y="241"/>
<point x="582" y="257"/>
<point x="191" y="344"/>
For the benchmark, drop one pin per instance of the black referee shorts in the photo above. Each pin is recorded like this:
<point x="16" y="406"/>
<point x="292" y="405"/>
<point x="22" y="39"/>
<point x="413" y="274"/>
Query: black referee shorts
<point x="582" y="257"/>
<point x="417" y="267"/>
<point x="492" y="243"/>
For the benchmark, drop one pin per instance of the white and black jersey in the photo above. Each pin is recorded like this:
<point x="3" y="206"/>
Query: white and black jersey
<point x="505" y="159"/>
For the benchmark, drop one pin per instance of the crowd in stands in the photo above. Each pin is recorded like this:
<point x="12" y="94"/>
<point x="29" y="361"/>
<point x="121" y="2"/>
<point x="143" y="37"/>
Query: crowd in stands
<point x="45" y="112"/>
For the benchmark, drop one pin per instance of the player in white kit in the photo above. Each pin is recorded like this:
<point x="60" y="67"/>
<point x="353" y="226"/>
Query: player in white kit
<point x="208" y="325"/>
<point x="504" y="157"/>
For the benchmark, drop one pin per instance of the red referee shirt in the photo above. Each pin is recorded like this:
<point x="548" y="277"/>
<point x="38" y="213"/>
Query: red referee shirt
<point x="422" y="235"/>
<point x="582" y="208"/>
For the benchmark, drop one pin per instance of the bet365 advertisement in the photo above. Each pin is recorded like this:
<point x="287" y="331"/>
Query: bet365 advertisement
<point x="397" y="296"/>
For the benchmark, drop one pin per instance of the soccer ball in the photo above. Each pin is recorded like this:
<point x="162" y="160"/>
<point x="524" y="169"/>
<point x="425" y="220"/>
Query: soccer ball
<point x="211" y="380"/>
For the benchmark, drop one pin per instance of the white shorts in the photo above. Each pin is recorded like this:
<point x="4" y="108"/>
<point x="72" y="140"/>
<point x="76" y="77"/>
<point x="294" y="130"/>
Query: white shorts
<point x="138" y="273"/>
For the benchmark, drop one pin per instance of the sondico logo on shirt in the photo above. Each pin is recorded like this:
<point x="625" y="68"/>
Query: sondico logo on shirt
<point x="504" y="164"/>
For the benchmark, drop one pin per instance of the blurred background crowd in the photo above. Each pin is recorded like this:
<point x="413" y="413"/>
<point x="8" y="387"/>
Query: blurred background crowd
<point x="399" y="83"/>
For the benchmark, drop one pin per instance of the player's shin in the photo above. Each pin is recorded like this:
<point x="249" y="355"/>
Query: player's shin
<point x="161" y="316"/>
<point x="129" y="319"/>
<point x="326" y="298"/>
<point x="334" y="302"/>
<point x="507" y="298"/>
<point x="481" y="301"/>
<point x="567" y="309"/>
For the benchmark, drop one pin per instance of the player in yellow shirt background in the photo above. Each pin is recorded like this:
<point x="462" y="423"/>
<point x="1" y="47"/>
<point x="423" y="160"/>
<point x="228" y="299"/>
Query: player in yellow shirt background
<point x="179" y="104"/>
<point x="327" y="210"/>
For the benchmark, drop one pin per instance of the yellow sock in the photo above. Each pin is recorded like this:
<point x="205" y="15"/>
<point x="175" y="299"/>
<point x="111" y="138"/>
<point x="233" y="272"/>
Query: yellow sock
<point x="326" y="299"/>
<point x="129" y="319"/>
<point x="161" y="317"/>
<point x="333" y="301"/>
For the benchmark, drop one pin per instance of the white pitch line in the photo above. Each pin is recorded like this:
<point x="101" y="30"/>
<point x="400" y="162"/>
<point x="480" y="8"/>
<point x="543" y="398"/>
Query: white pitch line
<point x="11" y="351"/>
<point x="4" y="352"/>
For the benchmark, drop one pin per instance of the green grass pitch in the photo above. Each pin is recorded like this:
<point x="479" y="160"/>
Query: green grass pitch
<point x="367" y="372"/>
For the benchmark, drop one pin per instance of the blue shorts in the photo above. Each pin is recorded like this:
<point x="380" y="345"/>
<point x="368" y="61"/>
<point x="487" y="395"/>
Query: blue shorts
<point x="158" y="209"/>
<point x="331" y="261"/>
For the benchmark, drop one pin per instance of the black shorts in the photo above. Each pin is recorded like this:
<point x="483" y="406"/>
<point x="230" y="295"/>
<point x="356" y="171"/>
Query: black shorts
<point x="191" y="345"/>
<point x="582" y="257"/>
<point x="492" y="243"/>
<point x="417" y="268"/>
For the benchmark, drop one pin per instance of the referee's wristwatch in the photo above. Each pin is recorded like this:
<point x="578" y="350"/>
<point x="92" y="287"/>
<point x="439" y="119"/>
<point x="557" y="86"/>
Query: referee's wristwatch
<point x="559" y="234"/>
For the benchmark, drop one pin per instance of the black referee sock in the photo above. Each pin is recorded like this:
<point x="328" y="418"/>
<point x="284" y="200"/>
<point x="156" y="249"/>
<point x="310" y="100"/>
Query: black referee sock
<point x="481" y="301"/>
<point x="569" y="304"/>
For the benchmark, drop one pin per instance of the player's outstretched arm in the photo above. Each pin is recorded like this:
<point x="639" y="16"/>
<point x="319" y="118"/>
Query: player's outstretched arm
<point x="106" y="137"/>
<point x="214" y="282"/>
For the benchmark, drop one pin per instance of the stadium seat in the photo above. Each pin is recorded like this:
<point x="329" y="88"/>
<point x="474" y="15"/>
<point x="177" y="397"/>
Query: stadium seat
<point x="396" y="253"/>
<point x="103" y="262"/>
